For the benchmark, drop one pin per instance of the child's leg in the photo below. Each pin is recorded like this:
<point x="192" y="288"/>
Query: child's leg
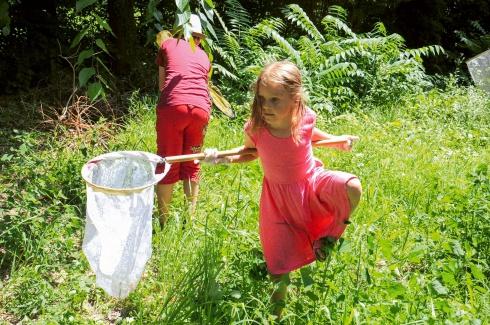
<point x="278" y="298"/>
<point x="193" y="139"/>
<point x="354" y="190"/>
<point x="323" y="246"/>
<point x="191" y="190"/>
<point x="164" y="196"/>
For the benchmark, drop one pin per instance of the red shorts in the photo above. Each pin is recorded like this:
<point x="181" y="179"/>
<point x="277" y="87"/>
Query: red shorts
<point x="180" y="131"/>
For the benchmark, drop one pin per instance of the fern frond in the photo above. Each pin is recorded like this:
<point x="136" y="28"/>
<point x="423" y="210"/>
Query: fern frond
<point x="330" y="47"/>
<point x="296" y="14"/>
<point x="339" y="12"/>
<point x="225" y="55"/>
<point x="471" y="44"/>
<point x="402" y="66"/>
<point x="238" y="16"/>
<point x="335" y="74"/>
<point x="222" y="22"/>
<point x="341" y="91"/>
<point x="232" y="44"/>
<point x="271" y="27"/>
<point x="333" y="24"/>
<point x="379" y="29"/>
<point x="430" y="50"/>
<point x="396" y="39"/>
<point x="478" y="27"/>
<point x="348" y="54"/>
<point x="308" y="50"/>
<point x="225" y="72"/>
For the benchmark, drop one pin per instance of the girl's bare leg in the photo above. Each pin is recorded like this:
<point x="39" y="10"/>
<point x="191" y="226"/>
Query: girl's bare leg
<point x="354" y="190"/>
<point x="191" y="190"/>
<point x="278" y="298"/>
<point x="164" y="196"/>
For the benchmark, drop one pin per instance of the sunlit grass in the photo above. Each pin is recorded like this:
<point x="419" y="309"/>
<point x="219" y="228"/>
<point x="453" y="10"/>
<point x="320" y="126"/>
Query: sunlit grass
<point x="416" y="252"/>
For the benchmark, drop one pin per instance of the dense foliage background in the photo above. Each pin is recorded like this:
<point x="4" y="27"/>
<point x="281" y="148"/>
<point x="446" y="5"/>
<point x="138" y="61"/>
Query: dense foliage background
<point x="38" y="34"/>
<point x="78" y="79"/>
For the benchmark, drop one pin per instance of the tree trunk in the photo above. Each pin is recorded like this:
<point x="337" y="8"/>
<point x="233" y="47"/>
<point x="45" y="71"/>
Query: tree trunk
<point x="124" y="44"/>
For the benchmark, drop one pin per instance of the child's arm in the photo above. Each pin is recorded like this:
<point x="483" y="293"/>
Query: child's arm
<point x="239" y="158"/>
<point x="343" y="142"/>
<point x="161" y="77"/>
<point x="247" y="143"/>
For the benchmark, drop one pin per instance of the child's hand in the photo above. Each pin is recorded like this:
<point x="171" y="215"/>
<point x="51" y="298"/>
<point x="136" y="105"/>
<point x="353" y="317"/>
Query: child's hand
<point x="348" y="143"/>
<point x="211" y="157"/>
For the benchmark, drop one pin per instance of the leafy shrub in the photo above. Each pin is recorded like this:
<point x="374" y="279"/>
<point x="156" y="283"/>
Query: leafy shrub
<point x="339" y="66"/>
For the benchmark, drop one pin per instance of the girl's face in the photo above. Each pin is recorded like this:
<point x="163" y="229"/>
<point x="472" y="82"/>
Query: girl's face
<point x="276" y="102"/>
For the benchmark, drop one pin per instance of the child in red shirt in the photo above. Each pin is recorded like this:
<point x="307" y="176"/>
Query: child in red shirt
<point x="183" y="113"/>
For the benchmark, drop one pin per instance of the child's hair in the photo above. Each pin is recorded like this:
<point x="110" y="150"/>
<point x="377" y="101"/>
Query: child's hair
<point x="287" y="74"/>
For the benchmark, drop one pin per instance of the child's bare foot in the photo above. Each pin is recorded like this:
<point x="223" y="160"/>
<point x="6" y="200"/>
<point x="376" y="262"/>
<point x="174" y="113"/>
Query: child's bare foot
<point x="323" y="247"/>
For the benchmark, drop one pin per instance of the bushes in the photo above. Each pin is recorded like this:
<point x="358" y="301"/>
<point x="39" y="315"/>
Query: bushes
<point x="340" y="68"/>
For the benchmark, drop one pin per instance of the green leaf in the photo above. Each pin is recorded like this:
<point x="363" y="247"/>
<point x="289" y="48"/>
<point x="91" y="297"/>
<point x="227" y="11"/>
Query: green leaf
<point x="367" y="275"/>
<point x="386" y="247"/>
<point x="78" y="38"/>
<point x="207" y="26"/>
<point x="100" y="43"/>
<point x="439" y="288"/>
<point x="84" y="75"/>
<point x="182" y="18"/>
<point x="81" y="4"/>
<point x="417" y="253"/>
<point x="104" y="66"/>
<point x="457" y="249"/>
<point x="345" y="246"/>
<point x="306" y="277"/>
<point x="449" y="279"/>
<point x="84" y="55"/>
<point x="4" y="13"/>
<point x="396" y="290"/>
<point x="477" y="272"/>
<point x="208" y="9"/>
<point x="95" y="90"/>
<point x="104" y="24"/>
<point x="182" y="4"/>
<point x="158" y="15"/>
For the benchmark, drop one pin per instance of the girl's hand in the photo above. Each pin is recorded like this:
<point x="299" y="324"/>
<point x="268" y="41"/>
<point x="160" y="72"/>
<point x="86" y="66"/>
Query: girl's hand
<point x="348" y="143"/>
<point x="211" y="157"/>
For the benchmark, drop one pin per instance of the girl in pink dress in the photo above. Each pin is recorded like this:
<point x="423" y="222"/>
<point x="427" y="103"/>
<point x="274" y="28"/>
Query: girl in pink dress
<point x="303" y="207"/>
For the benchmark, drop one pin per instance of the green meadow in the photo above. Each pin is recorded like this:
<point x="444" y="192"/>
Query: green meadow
<point x="417" y="251"/>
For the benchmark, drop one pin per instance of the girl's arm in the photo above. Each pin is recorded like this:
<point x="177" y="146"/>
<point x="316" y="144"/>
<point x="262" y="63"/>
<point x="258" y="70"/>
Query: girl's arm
<point x="239" y="158"/>
<point x="345" y="141"/>
<point x="320" y="135"/>
<point x="247" y="143"/>
<point x="161" y="77"/>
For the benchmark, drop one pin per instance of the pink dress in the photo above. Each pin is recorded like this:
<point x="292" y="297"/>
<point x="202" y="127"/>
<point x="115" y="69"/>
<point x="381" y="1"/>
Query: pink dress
<point x="300" y="201"/>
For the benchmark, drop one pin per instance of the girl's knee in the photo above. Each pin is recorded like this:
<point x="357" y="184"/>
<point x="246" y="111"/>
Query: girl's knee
<point x="354" y="188"/>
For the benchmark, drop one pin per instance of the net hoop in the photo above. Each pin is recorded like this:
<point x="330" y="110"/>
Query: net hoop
<point x="88" y="168"/>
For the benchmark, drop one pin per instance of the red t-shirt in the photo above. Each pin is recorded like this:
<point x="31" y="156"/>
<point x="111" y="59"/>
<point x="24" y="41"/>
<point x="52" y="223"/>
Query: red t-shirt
<point x="186" y="74"/>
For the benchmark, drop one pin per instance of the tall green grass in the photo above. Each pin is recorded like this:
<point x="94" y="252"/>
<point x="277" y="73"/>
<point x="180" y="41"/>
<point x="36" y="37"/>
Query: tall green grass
<point x="416" y="252"/>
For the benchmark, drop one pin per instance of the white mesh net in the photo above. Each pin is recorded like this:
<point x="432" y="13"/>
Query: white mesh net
<point x="479" y="68"/>
<point x="117" y="241"/>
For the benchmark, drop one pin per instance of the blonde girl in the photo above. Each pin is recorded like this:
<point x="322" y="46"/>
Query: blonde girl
<point x="303" y="206"/>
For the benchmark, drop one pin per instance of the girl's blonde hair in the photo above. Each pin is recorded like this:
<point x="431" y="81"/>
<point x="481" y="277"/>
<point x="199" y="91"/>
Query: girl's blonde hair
<point x="287" y="74"/>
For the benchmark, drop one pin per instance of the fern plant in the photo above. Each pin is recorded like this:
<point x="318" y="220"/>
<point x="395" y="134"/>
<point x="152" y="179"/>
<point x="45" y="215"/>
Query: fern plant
<point x="339" y="66"/>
